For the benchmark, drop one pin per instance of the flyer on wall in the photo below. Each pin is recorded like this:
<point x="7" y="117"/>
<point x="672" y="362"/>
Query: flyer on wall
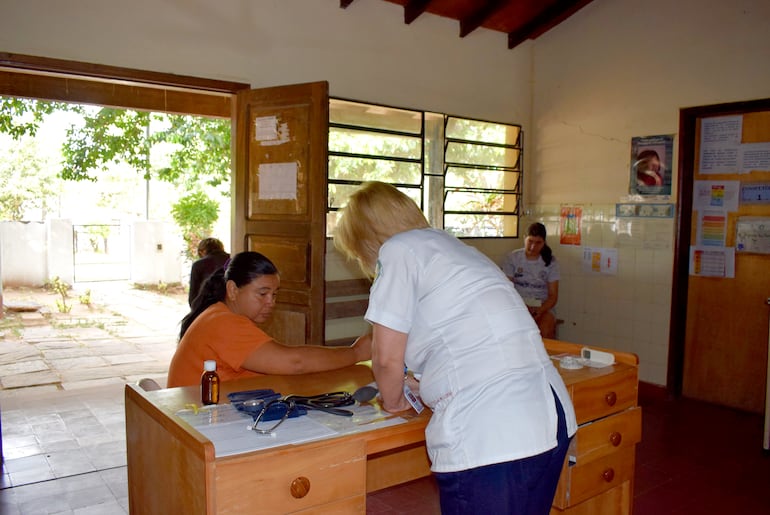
<point x="651" y="165"/>
<point x="570" y="225"/>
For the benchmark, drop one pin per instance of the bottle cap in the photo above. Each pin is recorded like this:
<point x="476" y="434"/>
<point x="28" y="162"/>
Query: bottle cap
<point x="209" y="365"/>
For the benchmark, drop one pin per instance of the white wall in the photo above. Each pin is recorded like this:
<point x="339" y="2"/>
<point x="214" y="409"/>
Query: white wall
<point x="366" y="52"/>
<point x="24" y="253"/>
<point x="615" y="70"/>
<point x="155" y="254"/>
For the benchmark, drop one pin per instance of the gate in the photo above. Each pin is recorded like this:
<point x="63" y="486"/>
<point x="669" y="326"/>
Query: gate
<point x="101" y="252"/>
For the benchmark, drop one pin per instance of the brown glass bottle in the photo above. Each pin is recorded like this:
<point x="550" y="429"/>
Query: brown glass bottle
<point x="210" y="383"/>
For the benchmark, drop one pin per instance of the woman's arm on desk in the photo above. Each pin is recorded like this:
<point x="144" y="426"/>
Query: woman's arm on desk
<point x="279" y="359"/>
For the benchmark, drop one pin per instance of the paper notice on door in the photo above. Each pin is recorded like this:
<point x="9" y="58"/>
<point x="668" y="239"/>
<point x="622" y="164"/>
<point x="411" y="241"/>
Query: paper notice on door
<point x="715" y="195"/>
<point x="720" y="144"/>
<point x="712" y="262"/>
<point x="278" y="181"/>
<point x="712" y="228"/>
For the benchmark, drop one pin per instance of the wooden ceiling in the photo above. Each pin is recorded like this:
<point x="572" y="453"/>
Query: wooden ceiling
<point x="519" y="19"/>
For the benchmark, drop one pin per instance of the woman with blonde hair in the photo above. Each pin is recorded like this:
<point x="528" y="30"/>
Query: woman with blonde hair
<point x="502" y="418"/>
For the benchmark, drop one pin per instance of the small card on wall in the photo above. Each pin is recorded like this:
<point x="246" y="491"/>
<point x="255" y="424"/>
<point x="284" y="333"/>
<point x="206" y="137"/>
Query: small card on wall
<point x="600" y="261"/>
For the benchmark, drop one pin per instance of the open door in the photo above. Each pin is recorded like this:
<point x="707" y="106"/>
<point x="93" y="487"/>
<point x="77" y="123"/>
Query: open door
<point x="725" y="321"/>
<point x="281" y="142"/>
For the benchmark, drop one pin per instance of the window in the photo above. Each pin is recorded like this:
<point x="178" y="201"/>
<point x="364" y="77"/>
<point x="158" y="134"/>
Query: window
<point x="465" y="174"/>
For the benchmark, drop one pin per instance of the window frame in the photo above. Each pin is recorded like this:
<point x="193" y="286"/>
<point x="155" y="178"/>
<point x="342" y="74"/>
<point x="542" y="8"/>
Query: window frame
<point x="436" y="211"/>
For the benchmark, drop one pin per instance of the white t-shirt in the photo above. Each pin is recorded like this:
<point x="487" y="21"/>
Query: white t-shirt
<point x="530" y="276"/>
<point x="484" y="369"/>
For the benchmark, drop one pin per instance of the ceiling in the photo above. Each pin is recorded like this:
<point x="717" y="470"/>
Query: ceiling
<point x="519" y="19"/>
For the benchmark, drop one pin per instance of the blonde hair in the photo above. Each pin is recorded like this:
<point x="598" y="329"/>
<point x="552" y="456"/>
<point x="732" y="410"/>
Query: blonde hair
<point x="374" y="213"/>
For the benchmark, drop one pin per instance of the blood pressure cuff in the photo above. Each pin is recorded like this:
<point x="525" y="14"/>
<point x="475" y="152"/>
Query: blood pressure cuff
<point x="253" y="401"/>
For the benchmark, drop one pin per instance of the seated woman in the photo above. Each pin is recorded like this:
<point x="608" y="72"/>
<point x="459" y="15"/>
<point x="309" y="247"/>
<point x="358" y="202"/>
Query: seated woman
<point x="535" y="275"/>
<point x="222" y="326"/>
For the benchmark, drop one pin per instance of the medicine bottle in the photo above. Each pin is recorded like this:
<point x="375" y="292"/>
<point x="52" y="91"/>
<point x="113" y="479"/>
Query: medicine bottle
<point x="210" y="383"/>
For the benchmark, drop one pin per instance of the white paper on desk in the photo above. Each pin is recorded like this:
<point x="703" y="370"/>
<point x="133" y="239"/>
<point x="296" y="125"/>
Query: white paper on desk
<point x="227" y="428"/>
<point x="366" y="417"/>
<point x="235" y="437"/>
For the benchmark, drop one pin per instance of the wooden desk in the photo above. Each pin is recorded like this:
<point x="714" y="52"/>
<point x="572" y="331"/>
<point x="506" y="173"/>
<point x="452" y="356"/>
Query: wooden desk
<point x="172" y="468"/>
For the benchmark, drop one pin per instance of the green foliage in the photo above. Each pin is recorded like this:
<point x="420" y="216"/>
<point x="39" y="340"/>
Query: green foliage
<point x="109" y="136"/>
<point x="201" y="152"/>
<point x="22" y="117"/>
<point x="27" y="181"/>
<point x="98" y="237"/>
<point x="189" y="152"/>
<point x="85" y="299"/>
<point x="195" y="214"/>
<point x="62" y="288"/>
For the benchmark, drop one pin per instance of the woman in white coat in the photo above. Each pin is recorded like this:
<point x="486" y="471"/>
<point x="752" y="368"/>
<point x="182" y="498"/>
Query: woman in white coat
<point x="502" y="418"/>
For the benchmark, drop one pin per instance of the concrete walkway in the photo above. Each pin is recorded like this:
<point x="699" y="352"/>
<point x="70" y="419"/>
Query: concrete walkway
<point x="122" y="335"/>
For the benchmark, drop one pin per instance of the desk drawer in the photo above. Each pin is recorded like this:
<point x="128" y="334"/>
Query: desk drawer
<point x="605" y="395"/>
<point x="287" y="481"/>
<point x="581" y="482"/>
<point x="606" y="436"/>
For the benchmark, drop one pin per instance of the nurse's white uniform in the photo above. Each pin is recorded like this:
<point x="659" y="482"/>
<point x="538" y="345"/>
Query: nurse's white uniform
<point x="484" y="370"/>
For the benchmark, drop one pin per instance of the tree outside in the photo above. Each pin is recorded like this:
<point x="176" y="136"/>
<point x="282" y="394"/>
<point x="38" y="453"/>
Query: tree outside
<point x="99" y="164"/>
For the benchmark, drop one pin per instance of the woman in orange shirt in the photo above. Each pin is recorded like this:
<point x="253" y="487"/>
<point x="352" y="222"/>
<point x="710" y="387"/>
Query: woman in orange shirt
<point x="222" y="326"/>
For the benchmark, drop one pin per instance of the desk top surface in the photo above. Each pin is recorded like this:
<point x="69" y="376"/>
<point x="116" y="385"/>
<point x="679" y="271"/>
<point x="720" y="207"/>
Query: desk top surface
<point x="170" y="401"/>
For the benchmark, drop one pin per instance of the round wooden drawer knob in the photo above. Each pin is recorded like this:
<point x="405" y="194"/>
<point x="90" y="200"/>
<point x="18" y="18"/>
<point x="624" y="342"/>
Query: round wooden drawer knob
<point x="608" y="475"/>
<point x="300" y="487"/>
<point x="615" y="438"/>
<point x="611" y="398"/>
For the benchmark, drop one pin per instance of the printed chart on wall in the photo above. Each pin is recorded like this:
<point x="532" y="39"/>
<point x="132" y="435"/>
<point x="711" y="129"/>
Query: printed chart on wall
<point x="712" y="201"/>
<point x="716" y="203"/>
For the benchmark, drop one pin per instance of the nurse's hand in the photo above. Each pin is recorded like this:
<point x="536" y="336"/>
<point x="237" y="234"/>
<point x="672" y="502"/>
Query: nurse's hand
<point x="401" y="405"/>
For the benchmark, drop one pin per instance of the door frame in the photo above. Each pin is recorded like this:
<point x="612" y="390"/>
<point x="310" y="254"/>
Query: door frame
<point x="688" y="119"/>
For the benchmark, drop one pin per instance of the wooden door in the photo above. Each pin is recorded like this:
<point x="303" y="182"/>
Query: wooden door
<point x="725" y="355"/>
<point x="281" y="136"/>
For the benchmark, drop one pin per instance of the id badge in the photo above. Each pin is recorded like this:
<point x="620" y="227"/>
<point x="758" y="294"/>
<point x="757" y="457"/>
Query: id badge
<point x="413" y="400"/>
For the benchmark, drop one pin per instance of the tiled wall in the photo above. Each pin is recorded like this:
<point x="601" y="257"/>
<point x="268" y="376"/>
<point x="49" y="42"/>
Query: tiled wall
<point x="629" y="311"/>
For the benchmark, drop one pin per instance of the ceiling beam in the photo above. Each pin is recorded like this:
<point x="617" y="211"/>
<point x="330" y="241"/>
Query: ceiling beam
<point x="477" y="18"/>
<point x="413" y="9"/>
<point x="549" y="18"/>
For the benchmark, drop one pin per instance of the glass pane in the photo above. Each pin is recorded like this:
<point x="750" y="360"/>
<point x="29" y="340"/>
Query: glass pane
<point x="367" y="169"/>
<point x="485" y="202"/>
<point x="374" y="143"/>
<point x="468" y="153"/>
<point x="480" y="178"/>
<point x="481" y="225"/>
<point x="474" y="130"/>
<point x="339" y="193"/>
<point x="374" y="116"/>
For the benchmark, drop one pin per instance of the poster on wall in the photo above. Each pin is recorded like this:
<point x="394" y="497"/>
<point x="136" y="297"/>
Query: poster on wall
<point x="651" y="165"/>
<point x="571" y="220"/>
<point x="600" y="261"/>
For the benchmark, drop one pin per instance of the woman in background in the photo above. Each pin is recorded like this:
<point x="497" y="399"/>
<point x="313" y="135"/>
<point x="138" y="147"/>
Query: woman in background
<point x="212" y="257"/>
<point x="222" y="326"/>
<point x="502" y="418"/>
<point x="535" y="275"/>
